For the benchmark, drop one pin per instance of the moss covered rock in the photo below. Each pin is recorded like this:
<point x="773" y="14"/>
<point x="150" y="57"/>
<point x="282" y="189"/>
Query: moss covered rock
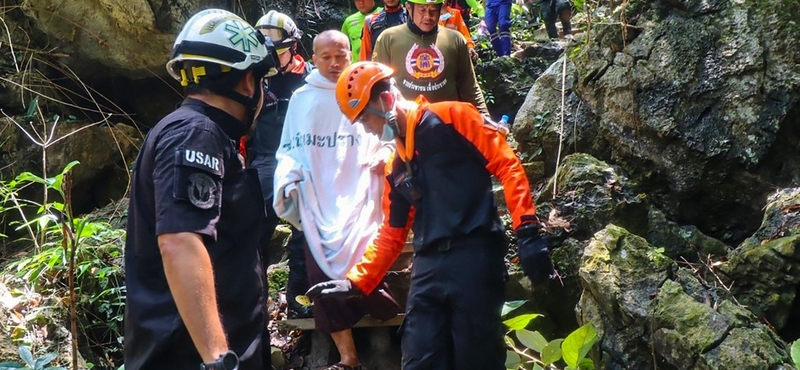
<point x="691" y="334"/>
<point x="764" y="271"/>
<point x="620" y="275"/>
<point x="766" y="278"/>
<point x="590" y="194"/>
<point x="651" y="314"/>
<point x="622" y="272"/>
<point x="681" y="241"/>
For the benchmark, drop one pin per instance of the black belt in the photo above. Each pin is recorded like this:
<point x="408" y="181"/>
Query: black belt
<point x="447" y="244"/>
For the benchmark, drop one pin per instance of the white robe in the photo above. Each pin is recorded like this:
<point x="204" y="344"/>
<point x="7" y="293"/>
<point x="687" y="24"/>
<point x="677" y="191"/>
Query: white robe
<point x="323" y="182"/>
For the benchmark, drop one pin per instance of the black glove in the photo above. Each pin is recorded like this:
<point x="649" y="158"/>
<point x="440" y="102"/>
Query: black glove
<point x="333" y="289"/>
<point x="533" y="254"/>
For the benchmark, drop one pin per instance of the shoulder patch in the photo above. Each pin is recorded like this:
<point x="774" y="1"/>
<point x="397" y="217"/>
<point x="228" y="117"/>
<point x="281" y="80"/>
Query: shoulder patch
<point x="202" y="191"/>
<point x="201" y="159"/>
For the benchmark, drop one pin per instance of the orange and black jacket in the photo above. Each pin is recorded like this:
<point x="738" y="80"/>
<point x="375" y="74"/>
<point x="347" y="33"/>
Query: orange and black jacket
<point x="455" y="153"/>
<point x="375" y="24"/>
<point x="453" y="20"/>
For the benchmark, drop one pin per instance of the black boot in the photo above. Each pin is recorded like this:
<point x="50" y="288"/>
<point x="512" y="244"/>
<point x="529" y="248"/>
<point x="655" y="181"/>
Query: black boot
<point x="298" y="277"/>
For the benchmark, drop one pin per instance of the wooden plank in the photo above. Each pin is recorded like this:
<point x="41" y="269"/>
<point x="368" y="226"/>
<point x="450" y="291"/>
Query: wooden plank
<point x="365" y="322"/>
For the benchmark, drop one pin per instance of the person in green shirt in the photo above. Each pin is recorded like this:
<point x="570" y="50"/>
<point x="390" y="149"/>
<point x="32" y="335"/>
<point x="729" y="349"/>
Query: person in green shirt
<point x="354" y="24"/>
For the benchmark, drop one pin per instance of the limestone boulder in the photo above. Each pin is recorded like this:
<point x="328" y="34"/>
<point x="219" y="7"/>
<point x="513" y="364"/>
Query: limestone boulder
<point x="106" y="153"/>
<point x="651" y="314"/>
<point x="589" y="194"/>
<point x="696" y="100"/>
<point x="764" y="271"/>
<point x="506" y="82"/>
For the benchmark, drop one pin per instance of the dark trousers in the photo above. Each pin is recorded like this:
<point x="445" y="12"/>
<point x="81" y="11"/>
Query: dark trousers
<point x="553" y="10"/>
<point x="498" y="23"/>
<point x="453" y="312"/>
<point x="298" y="274"/>
<point x="298" y="280"/>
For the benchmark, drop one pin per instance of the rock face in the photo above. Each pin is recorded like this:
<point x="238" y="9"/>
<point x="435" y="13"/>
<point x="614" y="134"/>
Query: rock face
<point x="591" y="194"/>
<point x="620" y="276"/>
<point x="649" y="313"/>
<point x="105" y="154"/>
<point x="537" y="127"/>
<point x="119" y="47"/>
<point x="698" y="101"/>
<point x="116" y="36"/>
<point x="131" y="38"/>
<point x="506" y="82"/>
<point x="681" y="241"/>
<point x="764" y="271"/>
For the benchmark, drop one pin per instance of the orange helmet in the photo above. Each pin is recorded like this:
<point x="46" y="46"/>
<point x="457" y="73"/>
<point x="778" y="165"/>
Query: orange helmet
<point x="355" y="82"/>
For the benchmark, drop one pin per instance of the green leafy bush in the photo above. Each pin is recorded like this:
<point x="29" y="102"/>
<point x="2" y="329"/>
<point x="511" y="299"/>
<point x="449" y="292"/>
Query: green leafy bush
<point x="531" y="351"/>
<point x="40" y="363"/>
<point x="74" y="261"/>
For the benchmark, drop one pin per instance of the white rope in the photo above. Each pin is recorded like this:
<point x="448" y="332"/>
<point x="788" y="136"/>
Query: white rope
<point x="561" y="131"/>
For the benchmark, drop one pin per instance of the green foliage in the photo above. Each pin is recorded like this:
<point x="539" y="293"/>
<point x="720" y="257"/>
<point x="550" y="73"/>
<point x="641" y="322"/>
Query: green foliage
<point x="31" y="363"/>
<point x="577" y="345"/>
<point x="277" y="280"/>
<point x="523" y="23"/>
<point x="488" y="96"/>
<point x="46" y="213"/>
<point x="511" y="306"/>
<point x="39" y="280"/>
<point x="99" y="288"/>
<point x="796" y="353"/>
<point x="536" y="352"/>
<point x="520" y="322"/>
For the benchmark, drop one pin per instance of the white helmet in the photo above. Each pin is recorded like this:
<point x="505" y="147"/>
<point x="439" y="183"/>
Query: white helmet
<point x="219" y="38"/>
<point x="279" y="28"/>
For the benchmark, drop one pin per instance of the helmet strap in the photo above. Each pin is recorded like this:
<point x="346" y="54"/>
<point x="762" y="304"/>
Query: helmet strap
<point x="387" y="98"/>
<point x="249" y="103"/>
<point x="293" y="52"/>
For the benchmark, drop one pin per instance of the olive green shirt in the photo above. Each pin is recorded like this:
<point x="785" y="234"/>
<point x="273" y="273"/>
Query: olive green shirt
<point x="436" y="66"/>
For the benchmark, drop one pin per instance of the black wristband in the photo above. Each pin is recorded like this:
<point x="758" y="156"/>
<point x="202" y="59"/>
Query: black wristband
<point x="226" y="361"/>
<point x="528" y="230"/>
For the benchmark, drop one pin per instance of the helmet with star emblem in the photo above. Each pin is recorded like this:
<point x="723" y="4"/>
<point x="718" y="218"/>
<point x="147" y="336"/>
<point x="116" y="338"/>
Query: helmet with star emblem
<point x="215" y="41"/>
<point x="355" y="84"/>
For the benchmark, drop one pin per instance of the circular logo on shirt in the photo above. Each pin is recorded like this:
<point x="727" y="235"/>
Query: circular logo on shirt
<point x="202" y="190"/>
<point x="424" y="62"/>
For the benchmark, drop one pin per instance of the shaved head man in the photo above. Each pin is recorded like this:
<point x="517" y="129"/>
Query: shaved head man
<point x="334" y="172"/>
<point x="331" y="54"/>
